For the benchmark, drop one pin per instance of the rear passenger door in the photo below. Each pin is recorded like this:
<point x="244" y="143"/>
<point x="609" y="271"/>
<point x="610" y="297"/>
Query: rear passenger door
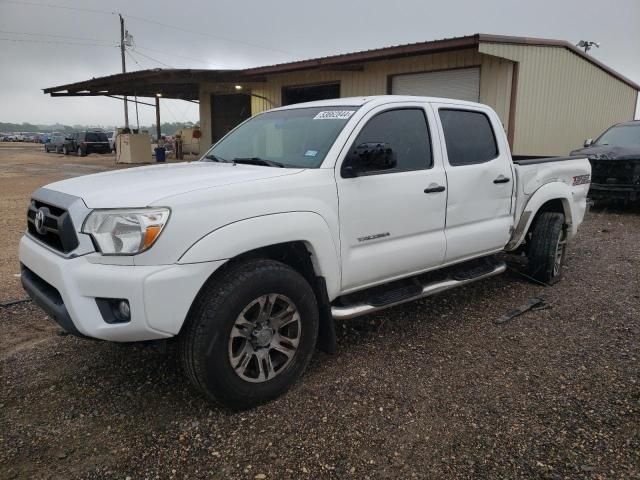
<point x="480" y="181"/>
<point x="392" y="221"/>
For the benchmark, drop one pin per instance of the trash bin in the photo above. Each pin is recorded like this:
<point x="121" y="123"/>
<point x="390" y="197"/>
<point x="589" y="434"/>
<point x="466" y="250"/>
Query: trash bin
<point x="160" y="154"/>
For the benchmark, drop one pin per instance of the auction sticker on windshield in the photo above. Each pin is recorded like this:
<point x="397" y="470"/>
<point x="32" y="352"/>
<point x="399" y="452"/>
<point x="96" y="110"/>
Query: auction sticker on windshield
<point x="334" y="115"/>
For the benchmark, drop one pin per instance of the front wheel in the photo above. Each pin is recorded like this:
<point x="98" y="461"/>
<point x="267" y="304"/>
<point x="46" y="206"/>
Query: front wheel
<point x="80" y="152"/>
<point x="250" y="334"/>
<point x="65" y="150"/>
<point x="547" y="248"/>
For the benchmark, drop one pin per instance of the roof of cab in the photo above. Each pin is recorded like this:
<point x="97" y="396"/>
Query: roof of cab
<point x="375" y="100"/>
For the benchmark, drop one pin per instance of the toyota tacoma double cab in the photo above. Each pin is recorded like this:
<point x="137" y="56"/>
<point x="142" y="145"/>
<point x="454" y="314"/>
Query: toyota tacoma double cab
<point x="299" y="216"/>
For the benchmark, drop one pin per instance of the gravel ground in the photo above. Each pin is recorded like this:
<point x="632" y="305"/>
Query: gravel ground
<point x="433" y="389"/>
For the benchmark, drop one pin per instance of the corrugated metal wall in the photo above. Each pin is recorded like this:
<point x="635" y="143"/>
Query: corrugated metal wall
<point x="561" y="98"/>
<point x="495" y="78"/>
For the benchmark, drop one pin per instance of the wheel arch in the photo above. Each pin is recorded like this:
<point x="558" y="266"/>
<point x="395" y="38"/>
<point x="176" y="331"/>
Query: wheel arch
<point x="313" y="254"/>
<point x="551" y="197"/>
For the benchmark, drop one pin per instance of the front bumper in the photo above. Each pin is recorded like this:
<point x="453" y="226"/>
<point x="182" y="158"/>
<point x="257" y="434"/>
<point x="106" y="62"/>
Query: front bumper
<point x="66" y="288"/>
<point x="602" y="191"/>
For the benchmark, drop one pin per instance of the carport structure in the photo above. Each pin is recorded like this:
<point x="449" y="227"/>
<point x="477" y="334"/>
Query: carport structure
<point x="549" y="95"/>
<point x="180" y="84"/>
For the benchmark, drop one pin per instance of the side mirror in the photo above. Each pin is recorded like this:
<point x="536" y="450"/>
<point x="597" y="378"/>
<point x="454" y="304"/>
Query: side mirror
<point x="68" y="138"/>
<point x="368" y="157"/>
<point x="588" y="142"/>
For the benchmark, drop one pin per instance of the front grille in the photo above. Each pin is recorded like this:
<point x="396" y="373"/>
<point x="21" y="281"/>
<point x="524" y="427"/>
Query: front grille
<point x="620" y="172"/>
<point x="57" y="229"/>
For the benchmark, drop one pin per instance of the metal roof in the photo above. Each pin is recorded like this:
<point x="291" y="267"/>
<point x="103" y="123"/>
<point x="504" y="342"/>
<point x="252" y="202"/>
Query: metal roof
<point x="171" y="83"/>
<point x="184" y="83"/>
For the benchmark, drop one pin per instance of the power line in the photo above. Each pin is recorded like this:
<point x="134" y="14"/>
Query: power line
<point x="195" y="32"/>
<point x="134" y="59"/>
<point x="147" y="20"/>
<point x="26" y="40"/>
<point x="51" y="35"/>
<point x="62" y="7"/>
<point x="182" y="56"/>
<point x="152" y="59"/>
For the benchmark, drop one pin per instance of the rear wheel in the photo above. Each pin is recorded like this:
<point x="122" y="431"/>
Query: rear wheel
<point x="250" y="334"/>
<point x="547" y="247"/>
<point x="80" y="152"/>
<point x="65" y="150"/>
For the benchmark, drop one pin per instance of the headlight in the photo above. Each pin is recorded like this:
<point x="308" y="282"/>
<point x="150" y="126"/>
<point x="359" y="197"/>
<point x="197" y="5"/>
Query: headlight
<point x="127" y="231"/>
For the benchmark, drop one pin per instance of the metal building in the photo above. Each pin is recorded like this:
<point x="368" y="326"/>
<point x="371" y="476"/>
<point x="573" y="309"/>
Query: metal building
<point x="549" y="94"/>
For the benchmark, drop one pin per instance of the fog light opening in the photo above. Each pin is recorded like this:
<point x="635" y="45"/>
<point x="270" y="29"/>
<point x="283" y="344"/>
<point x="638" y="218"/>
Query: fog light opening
<point x="124" y="311"/>
<point x="114" y="310"/>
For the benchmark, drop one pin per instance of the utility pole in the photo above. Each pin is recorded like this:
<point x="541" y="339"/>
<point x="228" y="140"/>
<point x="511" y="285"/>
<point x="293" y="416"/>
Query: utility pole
<point x="124" y="69"/>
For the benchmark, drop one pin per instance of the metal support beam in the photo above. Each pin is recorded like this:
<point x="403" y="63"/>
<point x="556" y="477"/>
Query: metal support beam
<point x="158" y="117"/>
<point x="132" y="101"/>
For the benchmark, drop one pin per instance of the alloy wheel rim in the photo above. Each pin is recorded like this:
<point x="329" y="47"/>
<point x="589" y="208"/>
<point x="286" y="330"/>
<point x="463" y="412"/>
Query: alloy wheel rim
<point x="265" y="338"/>
<point x="559" y="254"/>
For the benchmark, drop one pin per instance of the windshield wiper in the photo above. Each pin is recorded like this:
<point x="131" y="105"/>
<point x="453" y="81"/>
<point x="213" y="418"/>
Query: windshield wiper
<point x="214" y="158"/>
<point x="258" y="161"/>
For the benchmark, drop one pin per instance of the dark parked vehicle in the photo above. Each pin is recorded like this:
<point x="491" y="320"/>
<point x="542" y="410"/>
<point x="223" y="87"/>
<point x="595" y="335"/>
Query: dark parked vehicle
<point x="55" y="143"/>
<point x="88" y="141"/>
<point x="615" y="162"/>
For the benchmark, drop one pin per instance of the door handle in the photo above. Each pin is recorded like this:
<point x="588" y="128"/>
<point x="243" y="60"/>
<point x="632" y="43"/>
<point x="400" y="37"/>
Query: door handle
<point x="434" y="188"/>
<point x="502" y="179"/>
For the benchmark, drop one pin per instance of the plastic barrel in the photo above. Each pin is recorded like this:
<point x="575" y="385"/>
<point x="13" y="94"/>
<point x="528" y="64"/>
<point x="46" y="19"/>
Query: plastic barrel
<point x="160" y="154"/>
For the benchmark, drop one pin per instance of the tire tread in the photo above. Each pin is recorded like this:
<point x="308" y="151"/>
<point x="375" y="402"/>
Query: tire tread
<point x="541" y="252"/>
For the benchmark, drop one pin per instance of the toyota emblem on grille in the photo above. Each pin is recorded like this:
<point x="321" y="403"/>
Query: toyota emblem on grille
<point x="39" y="222"/>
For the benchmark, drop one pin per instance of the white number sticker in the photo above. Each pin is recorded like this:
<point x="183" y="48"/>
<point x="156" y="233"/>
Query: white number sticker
<point x="334" y="115"/>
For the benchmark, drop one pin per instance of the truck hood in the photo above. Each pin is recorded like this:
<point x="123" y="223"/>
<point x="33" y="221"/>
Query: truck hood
<point x="608" y="152"/>
<point x="142" y="186"/>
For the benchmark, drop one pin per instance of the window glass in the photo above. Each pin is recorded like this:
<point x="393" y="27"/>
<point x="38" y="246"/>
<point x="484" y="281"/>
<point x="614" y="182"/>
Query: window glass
<point x="96" y="137"/>
<point x="469" y="137"/>
<point x="406" y="132"/>
<point x="298" y="138"/>
<point x="621" y="136"/>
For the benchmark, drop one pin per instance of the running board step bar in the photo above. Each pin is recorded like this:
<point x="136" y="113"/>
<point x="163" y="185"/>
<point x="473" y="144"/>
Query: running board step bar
<point x="345" y="312"/>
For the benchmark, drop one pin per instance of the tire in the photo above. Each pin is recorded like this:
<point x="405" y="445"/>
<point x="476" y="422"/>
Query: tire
<point x="547" y="248"/>
<point x="218" y="334"/>
<point x="80" y="152"/>
<point x="65" y="150"/>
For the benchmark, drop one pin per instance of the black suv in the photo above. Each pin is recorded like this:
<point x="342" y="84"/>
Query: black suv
<point x="89" y="141"/>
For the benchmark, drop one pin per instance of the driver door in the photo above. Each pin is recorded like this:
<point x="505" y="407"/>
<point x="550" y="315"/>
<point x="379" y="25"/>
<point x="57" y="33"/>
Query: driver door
<point x="392" y="220"/>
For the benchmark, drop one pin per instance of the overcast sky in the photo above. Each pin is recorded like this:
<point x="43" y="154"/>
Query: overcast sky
<point x="39" y="44"/>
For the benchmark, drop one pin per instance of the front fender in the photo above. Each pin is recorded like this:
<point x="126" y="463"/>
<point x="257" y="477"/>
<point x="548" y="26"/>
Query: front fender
<point x="243" y="236"/>
<point x="548" y="192"/>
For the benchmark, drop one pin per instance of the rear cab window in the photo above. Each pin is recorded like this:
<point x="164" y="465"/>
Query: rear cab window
<point x="96" y="137"/>
<point x="469" y="136"/>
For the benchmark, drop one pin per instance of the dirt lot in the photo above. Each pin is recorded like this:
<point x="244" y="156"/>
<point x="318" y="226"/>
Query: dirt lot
<point x="434" y="389"/>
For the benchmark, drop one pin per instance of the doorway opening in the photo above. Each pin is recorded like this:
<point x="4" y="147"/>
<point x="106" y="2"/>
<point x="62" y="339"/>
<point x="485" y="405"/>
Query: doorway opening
<point x="227" y="111"/>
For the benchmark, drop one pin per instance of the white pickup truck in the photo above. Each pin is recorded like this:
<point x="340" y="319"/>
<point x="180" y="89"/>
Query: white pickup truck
<point x="299" y="216"/>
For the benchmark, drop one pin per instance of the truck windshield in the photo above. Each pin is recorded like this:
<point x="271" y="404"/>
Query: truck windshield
<point x="296" y="138"/>
<point x="621" y="136"/>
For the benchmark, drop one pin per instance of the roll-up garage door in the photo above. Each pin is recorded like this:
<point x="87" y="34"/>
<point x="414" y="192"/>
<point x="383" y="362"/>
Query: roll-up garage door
<point x="461" y="84"/>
